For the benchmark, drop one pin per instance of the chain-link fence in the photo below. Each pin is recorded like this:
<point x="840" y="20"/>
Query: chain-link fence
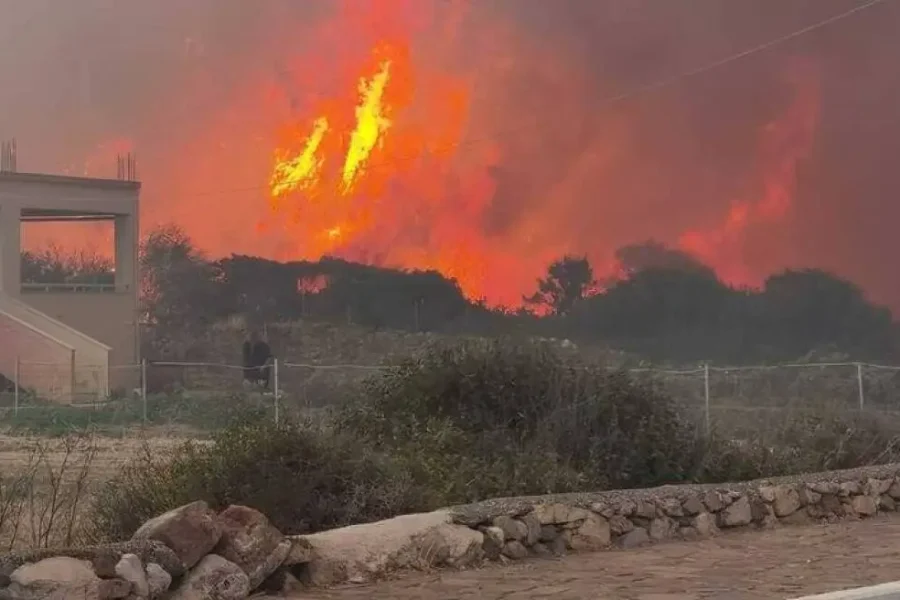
<point x="197" y="396"/>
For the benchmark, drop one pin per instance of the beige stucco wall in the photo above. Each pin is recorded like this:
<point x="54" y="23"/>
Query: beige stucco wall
<point x="109" y="317"/>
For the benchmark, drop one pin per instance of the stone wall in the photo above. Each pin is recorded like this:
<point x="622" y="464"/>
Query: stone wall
<point x="196" y="553"/>
<point x="514" y="528"/>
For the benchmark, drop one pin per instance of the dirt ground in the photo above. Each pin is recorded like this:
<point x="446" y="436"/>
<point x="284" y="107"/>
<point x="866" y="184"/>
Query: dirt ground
<point x="784" y="563"/>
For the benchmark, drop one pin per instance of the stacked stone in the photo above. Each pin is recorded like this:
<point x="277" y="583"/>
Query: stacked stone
<point x="634" y="519"/>
<point x="190" y="553"/>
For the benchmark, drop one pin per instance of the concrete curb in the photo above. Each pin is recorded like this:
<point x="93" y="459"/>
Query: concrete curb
<point x="885" y="591"/>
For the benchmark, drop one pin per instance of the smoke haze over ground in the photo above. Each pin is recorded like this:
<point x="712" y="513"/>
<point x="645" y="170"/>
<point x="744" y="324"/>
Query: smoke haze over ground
<point x="784" y="158"/>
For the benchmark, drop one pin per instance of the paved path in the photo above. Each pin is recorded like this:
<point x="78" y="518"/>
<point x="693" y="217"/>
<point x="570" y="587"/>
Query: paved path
<point x="785" y="563"/>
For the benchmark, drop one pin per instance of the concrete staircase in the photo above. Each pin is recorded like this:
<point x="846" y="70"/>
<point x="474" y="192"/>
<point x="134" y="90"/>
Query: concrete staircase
<point x="57" y="362"/>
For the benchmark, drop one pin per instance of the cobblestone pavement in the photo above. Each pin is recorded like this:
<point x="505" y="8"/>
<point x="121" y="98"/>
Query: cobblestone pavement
<point x="784" y="563"/>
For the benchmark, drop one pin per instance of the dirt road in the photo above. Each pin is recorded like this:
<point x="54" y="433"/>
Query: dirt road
<point x="785" y="563"/>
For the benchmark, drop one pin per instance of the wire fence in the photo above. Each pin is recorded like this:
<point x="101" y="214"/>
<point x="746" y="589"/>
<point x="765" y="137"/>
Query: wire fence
<point x="205" y="395"/>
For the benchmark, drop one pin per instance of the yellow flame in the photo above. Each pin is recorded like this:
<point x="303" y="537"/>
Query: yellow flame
<point x="303" y="170"/>
<point x="370" y="124"/>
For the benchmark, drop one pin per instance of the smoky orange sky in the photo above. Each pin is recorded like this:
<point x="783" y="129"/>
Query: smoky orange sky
<point x="504" y="152"/>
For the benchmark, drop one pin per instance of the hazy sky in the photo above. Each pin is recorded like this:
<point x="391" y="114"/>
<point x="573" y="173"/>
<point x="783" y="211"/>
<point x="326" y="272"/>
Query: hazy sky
<point x="199" y="89"/>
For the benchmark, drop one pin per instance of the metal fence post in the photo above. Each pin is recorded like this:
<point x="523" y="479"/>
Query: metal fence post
<point x="72" y="382"/>
<point x="706" y="397"/>
<point x="275" y="389"/>
<point x="144" y="389"/>
<point x="860" y="385"/>
<point x="16" y="376"/>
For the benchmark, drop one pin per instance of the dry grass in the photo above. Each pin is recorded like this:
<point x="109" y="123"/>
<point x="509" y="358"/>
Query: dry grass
<point x="46" y="484"/>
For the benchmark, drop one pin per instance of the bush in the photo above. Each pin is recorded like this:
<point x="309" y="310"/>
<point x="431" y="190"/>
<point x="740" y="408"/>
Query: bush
<point x="482" y="419"/>
<point x="304" y="480"/>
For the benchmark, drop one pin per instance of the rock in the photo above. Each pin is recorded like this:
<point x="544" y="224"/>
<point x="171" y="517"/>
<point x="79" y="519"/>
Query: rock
<point x="103" y="558"/>
<point x="824" y="487"/>
<point x="894" y="490"/>
<point x="540" y="549"/>
<point x="494" y="540"/>
<point x="661" y="529"/>
<point x="786" y="502"/>
<point x="261" y="570"/>
<point x="56" y="578"/>
<point x="558" y="547"/>
<point x="604" y="510"/>
<point x="808" y="496"/>
<point x="533" y="527"/>
<point x="512" y="528"/>
<point x="213" y="578"/>
<point x="864" y="506"/>
<point x="759" y="510"/>
<point x="801" y="517"/>
<point x="877" y="487"/>
<point x="688" y="534"/>
<point x="249" y="540"/>
<point x="705" y="524"/>
<point x="634" y="538"/>
<point x="191" y="531"/>
<point x="619" y="525"/>
<point x="131" y="570"/>
<point x="515" y="550"/>
<point x="645" y="510"/>
<point x="671" y="507"/>
<point x="548" y="533"/>
<point x="114" y="589"/>
<point x="887" y="503"/>
<point x="371" y="550"/>
<point x="594" y="534"/>
<point x="767" y="493"/>
<point x="559" y="514"/>
<point x="158" y="580"/>
<point x="713" y="501"/>
<point x="848" y="488"/>
<point x="692" y="506"/>
<point x="626" y="508"/>
<point x="829" y="506"/>
<point x="737" y="514"/>
<point x="300" y="554"/>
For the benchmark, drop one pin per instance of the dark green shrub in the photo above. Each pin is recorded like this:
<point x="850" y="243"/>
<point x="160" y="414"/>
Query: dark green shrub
<point x="488" y="418"/>
<point x="302" y="479"/>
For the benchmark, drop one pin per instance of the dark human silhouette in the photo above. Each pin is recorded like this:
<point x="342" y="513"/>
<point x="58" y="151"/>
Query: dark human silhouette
<point x="257" y="357"/>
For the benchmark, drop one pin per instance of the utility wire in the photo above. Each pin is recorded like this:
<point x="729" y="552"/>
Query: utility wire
<point x="622" y="96"/>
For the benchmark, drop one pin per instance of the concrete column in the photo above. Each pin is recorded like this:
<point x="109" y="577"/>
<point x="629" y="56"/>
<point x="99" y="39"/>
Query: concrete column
<point x="126" y="235"/>
<point x="10" y="249"/>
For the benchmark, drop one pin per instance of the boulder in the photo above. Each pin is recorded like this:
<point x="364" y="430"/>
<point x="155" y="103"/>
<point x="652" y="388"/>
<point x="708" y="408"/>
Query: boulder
<point x="737" y="514"/>
<point x="559" y="514"/>
<point x="494" y="540"/>
<point x="191" y="531"/>
<point x="634" y="538"/>
<point x="515" y="550"/>
<point x="513" y="529"/>
<point x="594" y="534"/>
<point x="213" y="578"/>
<point x="56" y="578"/>
<point x="103" y="558"/>
<point x="158" y="581"/>
<point x="131" y="570"/>
<point x="368" y="551"/>
<point x="250" y="541"/>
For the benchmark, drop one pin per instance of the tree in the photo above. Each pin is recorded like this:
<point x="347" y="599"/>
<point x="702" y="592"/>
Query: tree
<point x="635" y="258"/>
<point x="568" y="281"/>
<point x="178" y="285"/>
<point x="809" y="309"/>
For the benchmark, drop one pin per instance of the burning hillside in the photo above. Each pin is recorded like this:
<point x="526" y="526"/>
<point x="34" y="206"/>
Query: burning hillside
<point x="478" y="139"/>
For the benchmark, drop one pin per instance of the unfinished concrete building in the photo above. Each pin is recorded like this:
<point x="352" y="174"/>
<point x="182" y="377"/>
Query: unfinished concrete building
<point x="68" y="342"/>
